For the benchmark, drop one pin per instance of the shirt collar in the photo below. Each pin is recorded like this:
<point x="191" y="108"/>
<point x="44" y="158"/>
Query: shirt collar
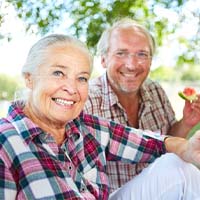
<point x="109" y="97"/>
<point x="23" y="125"/>
<point x="29" y="130"/>
<point x="144" y="92"/>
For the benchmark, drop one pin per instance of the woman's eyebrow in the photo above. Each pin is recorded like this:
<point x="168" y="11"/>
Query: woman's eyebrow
<point x="66" y="67"/>
<point x="60" y="66"/>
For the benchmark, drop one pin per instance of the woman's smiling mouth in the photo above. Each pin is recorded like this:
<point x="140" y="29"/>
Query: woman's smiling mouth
<point x="63" y="101"/>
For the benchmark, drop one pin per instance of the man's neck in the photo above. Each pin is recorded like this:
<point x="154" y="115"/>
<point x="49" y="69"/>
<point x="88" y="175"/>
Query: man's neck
<point x="130" y="103"/>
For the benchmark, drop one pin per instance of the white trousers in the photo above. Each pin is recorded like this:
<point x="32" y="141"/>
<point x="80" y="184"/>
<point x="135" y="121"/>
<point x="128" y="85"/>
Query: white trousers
<point x="167" y="178"/>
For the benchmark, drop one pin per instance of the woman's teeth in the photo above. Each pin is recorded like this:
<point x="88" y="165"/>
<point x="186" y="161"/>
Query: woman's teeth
<point x="63" y="102"/>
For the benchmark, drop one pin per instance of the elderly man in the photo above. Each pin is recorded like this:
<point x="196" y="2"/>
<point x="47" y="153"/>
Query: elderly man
<point x="125" y="94"/>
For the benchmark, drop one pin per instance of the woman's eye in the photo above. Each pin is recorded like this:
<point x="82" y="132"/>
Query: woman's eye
<point x="83" y="79"/>
<point x="58" y="73"/>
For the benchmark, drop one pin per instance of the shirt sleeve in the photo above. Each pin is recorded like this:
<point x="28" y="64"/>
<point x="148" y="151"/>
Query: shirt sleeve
<point x="167" y="107"/>
<point x="7" y="183"/>
<point x="134" y="145"/>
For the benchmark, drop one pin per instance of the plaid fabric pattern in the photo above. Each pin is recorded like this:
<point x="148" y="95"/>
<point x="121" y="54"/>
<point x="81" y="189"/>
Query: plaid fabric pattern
<point x="33" y="166"/>
<point x="155" y="114"/>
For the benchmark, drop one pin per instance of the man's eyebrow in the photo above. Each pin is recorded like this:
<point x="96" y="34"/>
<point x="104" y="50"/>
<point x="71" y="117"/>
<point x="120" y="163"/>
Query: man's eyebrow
<point x="122" y="49"/>
<point x="140" y="50"/>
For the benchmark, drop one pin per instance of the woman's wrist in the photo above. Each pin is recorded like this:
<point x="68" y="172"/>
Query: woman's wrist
<point x="176" y="145"/>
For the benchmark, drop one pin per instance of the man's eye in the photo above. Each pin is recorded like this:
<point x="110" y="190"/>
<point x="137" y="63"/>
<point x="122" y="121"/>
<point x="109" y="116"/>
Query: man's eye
<point x="83" y="79"/>
<point x="142" y="55"/>
<point x="120" y="54"/>
<point x="58" y="73"/>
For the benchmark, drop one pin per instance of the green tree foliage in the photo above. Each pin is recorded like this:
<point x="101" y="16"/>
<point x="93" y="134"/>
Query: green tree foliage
<point x="184" y="73"/>
<point x="88" y="18"/>
<point x="8" y="86"/>
<point x="164" y="74"/>
<point x="190" y="73"/>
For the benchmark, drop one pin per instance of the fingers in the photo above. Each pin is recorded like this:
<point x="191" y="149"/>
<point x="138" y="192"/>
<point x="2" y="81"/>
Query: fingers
<point x="195" y="104"/>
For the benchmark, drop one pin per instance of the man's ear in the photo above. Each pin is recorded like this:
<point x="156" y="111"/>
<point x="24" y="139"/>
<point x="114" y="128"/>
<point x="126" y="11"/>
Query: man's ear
<point x="103" y="61"/>
<point x="28" y="80"/>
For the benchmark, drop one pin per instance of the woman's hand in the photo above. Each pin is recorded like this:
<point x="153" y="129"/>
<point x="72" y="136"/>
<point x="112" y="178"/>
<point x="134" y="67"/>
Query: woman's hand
<point x="193" y="151"/>
<point x="188" y="150"/>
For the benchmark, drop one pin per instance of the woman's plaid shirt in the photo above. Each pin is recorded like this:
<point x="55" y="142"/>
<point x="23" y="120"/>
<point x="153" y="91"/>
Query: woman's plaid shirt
<point x="33" y="166"/>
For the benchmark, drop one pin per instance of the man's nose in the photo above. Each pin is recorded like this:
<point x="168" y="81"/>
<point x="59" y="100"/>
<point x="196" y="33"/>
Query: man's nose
<point x="131" y="62"/>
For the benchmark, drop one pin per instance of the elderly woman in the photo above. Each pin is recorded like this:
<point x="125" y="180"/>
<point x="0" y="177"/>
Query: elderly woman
<point x="50" y="149"/>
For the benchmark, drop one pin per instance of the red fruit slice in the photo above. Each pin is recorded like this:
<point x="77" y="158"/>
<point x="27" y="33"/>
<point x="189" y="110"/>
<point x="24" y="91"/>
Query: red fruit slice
<point x="188" y="93"/>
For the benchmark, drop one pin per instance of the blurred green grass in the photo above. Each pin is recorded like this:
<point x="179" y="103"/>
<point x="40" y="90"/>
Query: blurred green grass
<point x="193" y="130"/>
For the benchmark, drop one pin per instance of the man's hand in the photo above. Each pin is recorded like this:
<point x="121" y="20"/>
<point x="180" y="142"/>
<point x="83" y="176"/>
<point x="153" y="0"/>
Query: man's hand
<point x="191" y="112"/>
<point x="191" y="117"/>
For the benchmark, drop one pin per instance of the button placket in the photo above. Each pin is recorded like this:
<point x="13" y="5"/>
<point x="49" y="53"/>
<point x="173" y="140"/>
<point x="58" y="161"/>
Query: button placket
<point x="70" y="167"/>
<point x="83" y="189"/>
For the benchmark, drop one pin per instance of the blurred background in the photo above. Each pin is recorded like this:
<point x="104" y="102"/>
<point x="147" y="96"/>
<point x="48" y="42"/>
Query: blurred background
<point x="174" y="24"/>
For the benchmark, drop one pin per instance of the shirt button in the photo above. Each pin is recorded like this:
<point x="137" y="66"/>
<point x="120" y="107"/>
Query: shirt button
<point x="70" y="167"/>
<point x="83" y="189"/>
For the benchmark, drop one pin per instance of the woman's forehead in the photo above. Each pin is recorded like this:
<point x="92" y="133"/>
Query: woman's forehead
<point x="68" y="57"/>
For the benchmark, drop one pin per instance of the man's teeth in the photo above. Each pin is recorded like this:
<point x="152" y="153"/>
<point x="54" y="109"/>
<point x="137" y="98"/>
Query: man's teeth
<point x="129" y="75"/>
<point x="63" y="102"/>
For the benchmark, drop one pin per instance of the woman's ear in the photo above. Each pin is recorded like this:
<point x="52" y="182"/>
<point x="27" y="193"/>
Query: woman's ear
<point x="28" y="80"/>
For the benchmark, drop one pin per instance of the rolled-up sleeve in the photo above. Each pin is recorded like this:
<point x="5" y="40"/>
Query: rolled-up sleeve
<point x="134" y="145"/>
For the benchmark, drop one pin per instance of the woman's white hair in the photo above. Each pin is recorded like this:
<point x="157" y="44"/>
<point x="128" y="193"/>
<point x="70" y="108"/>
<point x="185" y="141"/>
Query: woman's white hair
<point x="37" y="53"/>
<point x="124" y="23"/>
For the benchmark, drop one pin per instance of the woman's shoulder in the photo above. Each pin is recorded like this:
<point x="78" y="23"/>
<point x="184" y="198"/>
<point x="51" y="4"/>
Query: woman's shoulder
<point x="7" y="129"/>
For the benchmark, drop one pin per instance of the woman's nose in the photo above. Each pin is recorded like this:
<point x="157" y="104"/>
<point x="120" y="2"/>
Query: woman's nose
<point x="70" y="86"/>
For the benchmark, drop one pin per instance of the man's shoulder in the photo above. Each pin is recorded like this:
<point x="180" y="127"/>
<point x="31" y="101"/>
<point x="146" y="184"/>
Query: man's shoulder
<point x="152" y="83"/>
<point x="98" y="94"/>
<point x="152" y="86"/>
<point x="96" y="86"/>
<point x="153" y="90"/>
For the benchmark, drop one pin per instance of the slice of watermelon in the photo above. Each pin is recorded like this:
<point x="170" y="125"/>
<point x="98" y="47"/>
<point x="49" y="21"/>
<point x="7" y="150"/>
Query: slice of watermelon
<point x="188" y="93"/>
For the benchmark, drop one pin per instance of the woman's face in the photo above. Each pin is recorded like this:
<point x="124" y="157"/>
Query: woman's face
<point x="59" y="88"/>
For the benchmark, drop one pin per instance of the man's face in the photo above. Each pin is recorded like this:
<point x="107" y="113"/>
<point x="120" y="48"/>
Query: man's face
<point x="128" y="60"/>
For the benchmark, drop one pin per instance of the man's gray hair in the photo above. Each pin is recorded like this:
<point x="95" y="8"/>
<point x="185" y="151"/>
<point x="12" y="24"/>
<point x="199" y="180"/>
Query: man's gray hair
<point x="104" y="41"/>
